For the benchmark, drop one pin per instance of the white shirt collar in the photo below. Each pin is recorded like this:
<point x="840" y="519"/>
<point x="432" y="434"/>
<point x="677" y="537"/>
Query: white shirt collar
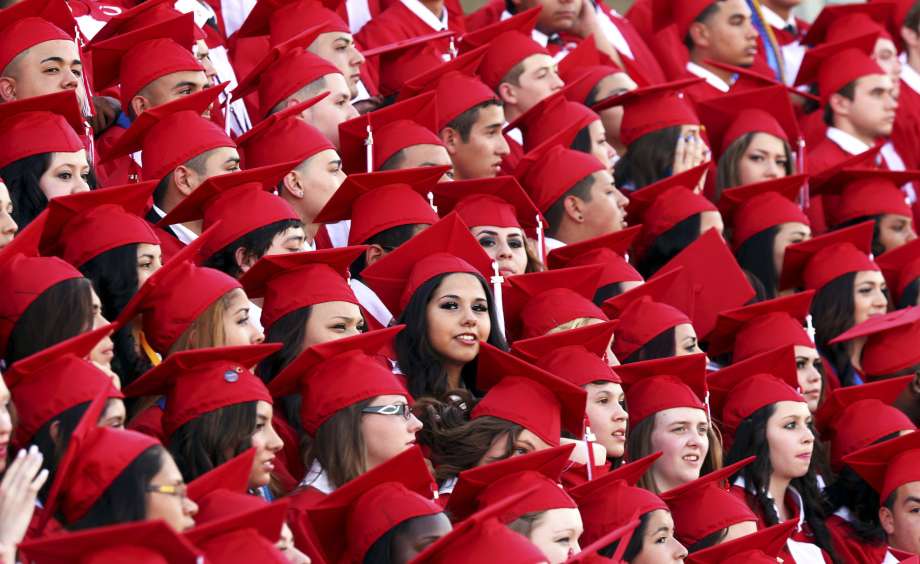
<point x="552" y="244"/>
<point x="316" y="477"/>
<point x="847" y="142"/>
<point x="424" y="14"/>
<point x="775" y="20"/>
<point x="910" y="77"/>
<point x="711" y="78"/>
<point x="183" y="233"/>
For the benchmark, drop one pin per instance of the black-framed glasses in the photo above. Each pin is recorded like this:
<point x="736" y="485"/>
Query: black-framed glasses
<point x="402" y="409"/>
<point x="180" y="490"/>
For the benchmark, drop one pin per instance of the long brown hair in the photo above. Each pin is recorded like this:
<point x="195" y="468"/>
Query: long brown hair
<point x="208" y="328"/>
<point x="339" y="445"/>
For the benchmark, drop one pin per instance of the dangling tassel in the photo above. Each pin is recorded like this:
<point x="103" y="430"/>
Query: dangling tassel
<point x="541" y="240"/>
<point x="88" y="109"/>
<point x="431" y="202"/>
<point x="810" y="328"/>
<point x="497" y="280"/>
<point x="590" y="439"/>
<point x="800" y="165"/>
<point x="151" y="354"/>
<point x="453" y="48"/>
<point x="369" y="148"/>
<point x="226" y="109"/>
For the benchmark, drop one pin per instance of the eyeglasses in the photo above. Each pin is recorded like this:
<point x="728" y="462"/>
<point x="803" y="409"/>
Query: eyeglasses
<point x="402" y="409"/>
<point x="180" y="491"/>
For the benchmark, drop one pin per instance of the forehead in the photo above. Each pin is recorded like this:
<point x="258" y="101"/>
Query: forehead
<point x="77" y="158"/>
<point x="429" y="153"/>
<point x="783" y="409"/>
<point x="461" y="284"/>
<point x="336" y="84"/>
<point x="490" y="115"/>
<point x="873" y="81"/>
<point x="680" y="414"/>
<point x="537" y="61"/>
<point x="59" y="48"/>
<point x="867" y="276"/>
<point x="331" y="36"/>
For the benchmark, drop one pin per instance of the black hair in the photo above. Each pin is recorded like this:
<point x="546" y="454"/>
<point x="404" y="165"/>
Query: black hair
<point x="418" y="360"/>
<point x="52" y="450"/>
<point x="636" y="541"/>
<point x="667" y="245"/>
<point x="709" y="540"/>
<point x="877" y="247"/>
<point x="606" y="292"/>
<point x="209" y="440"/>
<point x="289" y="330"/>
<point x="661" y="345"/>
<point x="114" y="277"/>
<point x="912" y="19"/>
<point x="464" y="122"/>
<point x="381" y="552"/>
<point x="394" y="161"/>
<point x="125" y="500"/>
<point x="751" y="440"/>
<point x="848" y="92"/>
<point x="832" y="311"/>
<point x="389" y="240"/>
<point x="582" y="142"/>
<point x="556" y="212"/>
<point x="648" y="159"/>
<point x="709" y="11"/>
<point x="23" y="178"/>
<point x="910" y="294"/>
<point x="254" y="244"/>
<point x="849" y="490"/>
<point x="756" y="257"/>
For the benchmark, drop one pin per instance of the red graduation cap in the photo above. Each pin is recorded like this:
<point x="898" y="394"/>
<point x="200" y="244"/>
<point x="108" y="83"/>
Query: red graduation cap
<point x="140" y="542"/>
<point x="549" y="171"/>
<point x="577" y="355"/>
<point x="175" y="295"/>
<point x="137" y="58"/>
<point x="95" y="457"/>
<point x="649" y="310"/>
<point x="84" y="225"/>
<point x="445" y="247"/>
<point x="612" y="500"/>
<point x="377" y="201"/>
<point x="662" y="205"/>
<point x="757" y="207"/>
<point x="680" y="15"/>
<point x="351" y="519"/>
<point x="239" y="526"/>
<point x="812" y="264"/>
<point x="609" y="250"/>
<point x="284" y="19"/>
<point x="509" y="43"/>
<point x="901" y="266"/>
<point x="41" y="124"/>
<point x="331" y="376"/>
<point x="550" y="116"/>
<point x="836" y="23"/>
<point x="583" y="68"/>
<point x="243" y="200"/>
<point x="834" y="65"/>
<point x="232" y="476"/>
<point x="519" y="392"/>
<point x="49" y="382"/>
<point x="26" y="276"/>
<point x="622" y="536"/>
<point x="482" y="537"/>
<point x="761" y="110"/>
<point x="664" y="383"/>
<point x="715" y="278"/>
<point x="854" y="417"/>
<point x="763" y="326"/>
<point x="140" y="16"/>
<point x="283" y="137"/>
<point x="854" y="193"/>
<point x="744" y="387"/>
<point x="704" y="506"/>
<point x="387" y="131"/>
<point x="498" y="201"/>
<point x="287" y="68"/>
<point x="289" y="282"/>
<point x="763" y="547"/>
<point x="407" y="58"/>
<point x="200" y="381"/>
<point x="890" y="342"/>
<point x="653" y="108"/>
<point x="172" y="134"/>
<point x="483" y="486"/>
<point x="538" y="302"/>
<point x="28" y="23"/>
<point x="889" y="464"/>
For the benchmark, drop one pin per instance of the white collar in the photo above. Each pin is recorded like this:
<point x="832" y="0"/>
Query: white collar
<point x="847" y="142"/>
<point x="552" y="244"/>
<point x="183" y="233"/>
<point x="424" y="14"/>
<point x="316" y="477"/>
<point x="711" y="78"/>
<point x="910" y="77"/>
<point x="741" y="483"/>
<point x="775" y="20"/>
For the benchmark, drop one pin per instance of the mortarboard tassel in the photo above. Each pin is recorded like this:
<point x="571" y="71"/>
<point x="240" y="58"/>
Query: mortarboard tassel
<point x="497" y="280"/>
<point x="431" y="202"/>
<point x="800" y="165"/>
<point x="541" y="242"/>
<point x="590" y="438"/>
<point x="810" y="327"/>
<point x="369" y="147"/>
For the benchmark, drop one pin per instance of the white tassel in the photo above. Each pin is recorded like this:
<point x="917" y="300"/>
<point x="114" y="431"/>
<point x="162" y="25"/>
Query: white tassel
<point x="431" y="202"/>
<point x="541" y="241"/>
<point x="369" y="148"/>
<point x="497" y="280"/>
<point x="810" y="328"/>
<point x="590" y="438"/>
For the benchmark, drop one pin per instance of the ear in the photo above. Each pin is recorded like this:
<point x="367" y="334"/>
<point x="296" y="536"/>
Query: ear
<point x="139" y="105"/>
<point x="293" y="184"/>
<point x="243" y="259"/>
<point x="373" y="254"/>
<point x="574" y="209"/>
<point x="886" y="519"/>
<point x="840" y="104"/>
<point x="7" y="88"/>
<point x="185" y="179"/>
<point x="451" y="138"/>
<point x="699" y="34"/>
<point x="508" y="93"/>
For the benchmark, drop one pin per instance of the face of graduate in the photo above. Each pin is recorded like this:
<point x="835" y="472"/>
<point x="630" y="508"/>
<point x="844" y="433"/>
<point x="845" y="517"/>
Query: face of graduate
<point x="711" y="220"/>
<point x="315" y="181"/>
<point x="239" y="328"/>
<point x="114" y="415"/>
<point x="764" y="159"/>
<point x="525" y="443"/>
<point x="556" y="534"/>
<point x="46" y="68"/>
<point x="729" y="36"/>
<point x="869" y="299"/>
<point x="8" y="227"/>
<point x="267" y="443"/>
<point x="507" y="245"/>
<point x="808" y="367"/>
<point x="606" y="211"/>
<point x="682" y="435"/>
<point x="385" y="436"/>
<point x="480" y="156"/>
<point x="291" y="240"/>
<point x="871" y="111"/>
<point x="599" y="146"/>
<point x="606" y="410"/>
<point x="203" y="54"/>
<point x="788" y="234"/>
<point x="790" y="439"/>
<point x="895" y="230"/>
<point x="222" y="160"/>
<point x="104" y="351"/>
<point x="658" y="543"/>
<point x="67" y="174"/>
<point x="902" y="521"/>
<point x="339" y="48"/>
<point x="418" y="156"/>
<point x="149" y="260"/>
<point x="458" y="318"/>
<point x="886" y="55"/>
<point x="539" y="80"/>
<point x="6" y="423"/>
<point x="285" y="544"/>
<point x="555" y="16"/>
<point x="328" y="113"/>
<point x="332" y="320"/>
<point x="177" y="510"/>
<point x="418" y="534"/>
<point x="168" y="88"/>
<point x="685" y="341"/>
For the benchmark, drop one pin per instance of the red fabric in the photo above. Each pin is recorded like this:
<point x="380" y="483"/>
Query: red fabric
<point x="322" y="240"/>
<point x="116" y="171"/>
<point x="289" y="457"/>
<point x="645" y="60"/>
<point x="169" y="243"/>
<point x="488" y="14"/>
<point x="149" y="422"/>
<point x="849" y="547"/>
<point x="300" y="501"/>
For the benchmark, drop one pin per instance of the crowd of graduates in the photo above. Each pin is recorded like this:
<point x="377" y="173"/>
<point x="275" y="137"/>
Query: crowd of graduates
<point x="381" y="281"/>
